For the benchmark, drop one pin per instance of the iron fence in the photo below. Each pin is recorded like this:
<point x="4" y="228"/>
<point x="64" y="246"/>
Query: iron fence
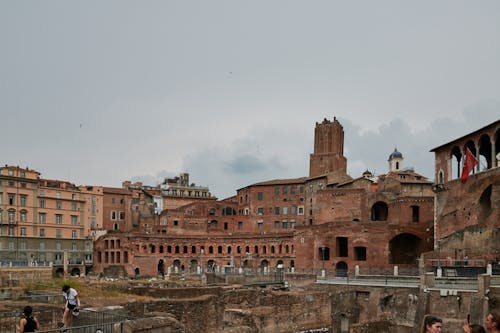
<point x="86" y="322"/>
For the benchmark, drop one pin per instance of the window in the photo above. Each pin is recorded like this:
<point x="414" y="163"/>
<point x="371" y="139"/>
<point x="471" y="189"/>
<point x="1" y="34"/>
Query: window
<point x="277" y="190"/>
<point x="58" y="204"/>
<point x="74" y="220"/>
<point x="58" y="234"/>
<point x="42" y="203"/>
<point x="1" y="196"/>
<point x="23" y="231"/>
<point x="58" y="195"/>
<point x="113" y="200"/>
<point x="10" y="172"/>
<point x="293" y="210"/>
<point x="285" y="210"/>
<point x="122" y="216"/>
<point x="276" y="211"/>
<point x="74" y="247"/>
<point x="58" y="219"/>
<point x="415" y="216"/>
<point x="292" y="224"/>
<point x="23" y="200"/>
<point x="240" y="225"/>
<point x="113" y="215"/>
<point x="260" y="225"/>
<point x="360" y="253"/>
<point x="42" y="232"/>
<point x="73" y="233"/>
<point x="41" y="217"/>
<point x="176" y="223"/>
<point x="11" y="198"/>
<point x="11" y="231"/>
<point x="73" y="196"/>
<point x="259" y="195"/>
<point x="260" y="210"/>
<point x="342" y="246"/>
<point x="285" y="190"/>
<point x="292" y="189"/>
<point x="300" y="210"/>
<point x="285" y="224"/>
<point x="226" y="225"/>
<point x="73" y="206"/>
<point x="23" y="216"/>
<point x="276" y="224"/>
<point x="12" y="215"/>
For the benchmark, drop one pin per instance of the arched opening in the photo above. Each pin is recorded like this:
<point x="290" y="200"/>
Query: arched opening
<point x="456" y="162"/>
<point x="405" y="249"/>
<point x="272" y="249"/>
<point x="193" y="265"/>
<point x="264" y="266"/>
<point x="211" y="266"/>
<point x="59" y="272"/>
<point x="264" y="249"/>
<point x="380" y="211"/>
<point x="256" y="249"/>
<point x="162" y="249"/>
<point x="185" y="249"/>
<point x="292" y="263"/>
<point x="161" y="267"/>
<point x="485" y="153"/>
<point x="211" y="249"/>
<point x="75" y="271"/>
<point x="219" y="249"/>
<point x="485" y="203"/>
<point x="176" y="263"/>
<point x="137" y="271"/>
<point x="341" y="268"/>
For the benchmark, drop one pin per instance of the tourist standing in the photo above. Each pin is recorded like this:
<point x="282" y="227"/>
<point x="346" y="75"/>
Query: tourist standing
<point x="28" y="322"/>
<point x="432" y="324"/>
<point x="71" y="302"/>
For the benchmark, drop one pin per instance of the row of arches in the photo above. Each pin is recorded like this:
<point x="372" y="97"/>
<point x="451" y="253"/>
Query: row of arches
<point x="218" y="249"/>
<point x="485" y="149"/>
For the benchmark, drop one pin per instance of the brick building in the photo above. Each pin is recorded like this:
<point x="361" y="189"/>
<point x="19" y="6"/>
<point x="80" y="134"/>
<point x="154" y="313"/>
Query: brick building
<point x="468" y="214"/>
<point x="327" y="220"/>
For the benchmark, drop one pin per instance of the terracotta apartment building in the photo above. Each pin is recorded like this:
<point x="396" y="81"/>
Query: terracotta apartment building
<point x="46" y="221"/>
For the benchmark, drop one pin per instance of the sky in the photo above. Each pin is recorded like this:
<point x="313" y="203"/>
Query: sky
<point x="99" y="92"/>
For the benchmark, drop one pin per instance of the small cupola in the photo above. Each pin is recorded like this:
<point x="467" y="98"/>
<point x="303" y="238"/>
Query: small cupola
<point x="395" y="161"/>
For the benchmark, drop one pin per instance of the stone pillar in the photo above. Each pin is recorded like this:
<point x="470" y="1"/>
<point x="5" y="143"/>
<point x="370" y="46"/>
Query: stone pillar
<point x="439" y="272"/>
<point x="489" y="269"/>
<point x="427" y="280"/>
<point x="396" y="270"/>
<point x="493" y="155"/>
<point x="483" y="284"/>
<point x="356" y="270"/>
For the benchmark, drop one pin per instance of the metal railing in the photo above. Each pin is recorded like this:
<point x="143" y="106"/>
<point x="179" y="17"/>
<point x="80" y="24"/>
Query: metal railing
<point x="86" y="322"/>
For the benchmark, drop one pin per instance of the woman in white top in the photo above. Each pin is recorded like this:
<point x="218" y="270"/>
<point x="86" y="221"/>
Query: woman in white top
<point x="71" y="301"/>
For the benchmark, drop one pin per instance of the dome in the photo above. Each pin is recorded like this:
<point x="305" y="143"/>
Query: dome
<point x="395" y="154"/>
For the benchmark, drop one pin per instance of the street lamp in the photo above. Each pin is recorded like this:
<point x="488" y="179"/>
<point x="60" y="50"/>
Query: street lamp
<point x="323" y="261"/>
<point x="439" y="253"/>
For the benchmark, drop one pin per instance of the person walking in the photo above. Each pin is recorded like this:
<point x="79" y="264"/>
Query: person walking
<point x="432" y="324"/>
<point x="71" y="303"/>
<point x="28" y="322"/>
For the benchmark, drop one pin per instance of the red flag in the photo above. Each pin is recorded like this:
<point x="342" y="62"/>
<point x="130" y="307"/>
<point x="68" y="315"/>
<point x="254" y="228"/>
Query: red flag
<point x="469" y="164"/>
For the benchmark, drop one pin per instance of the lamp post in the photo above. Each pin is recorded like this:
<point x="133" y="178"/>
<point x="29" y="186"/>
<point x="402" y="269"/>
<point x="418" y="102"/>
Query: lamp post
<point x="439" y="253"/>
<point x="439" y="270"/>
<point x="323" y="261"/>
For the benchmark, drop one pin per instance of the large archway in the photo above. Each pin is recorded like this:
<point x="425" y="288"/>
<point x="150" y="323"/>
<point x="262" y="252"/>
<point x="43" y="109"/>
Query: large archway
<point x="405" y="249"/>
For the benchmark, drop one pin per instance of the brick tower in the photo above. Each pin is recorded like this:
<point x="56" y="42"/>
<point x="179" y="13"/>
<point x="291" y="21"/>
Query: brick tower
<point x="328" y="156"/>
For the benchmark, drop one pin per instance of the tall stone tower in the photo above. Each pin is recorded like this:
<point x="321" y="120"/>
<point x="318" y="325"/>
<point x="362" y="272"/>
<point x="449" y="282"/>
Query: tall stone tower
<point x="328" y="156"/>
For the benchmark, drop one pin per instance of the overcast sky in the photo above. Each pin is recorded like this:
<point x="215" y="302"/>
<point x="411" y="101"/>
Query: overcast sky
<point x="98" y="92"/>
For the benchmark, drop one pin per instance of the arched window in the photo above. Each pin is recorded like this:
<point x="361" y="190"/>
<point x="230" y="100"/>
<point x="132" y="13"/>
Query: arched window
<point x="380" y="211"/>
